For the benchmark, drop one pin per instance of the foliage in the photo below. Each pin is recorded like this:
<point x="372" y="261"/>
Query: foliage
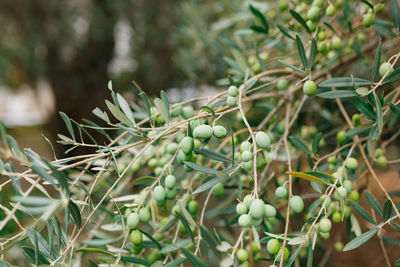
<point x="223" y="180"/>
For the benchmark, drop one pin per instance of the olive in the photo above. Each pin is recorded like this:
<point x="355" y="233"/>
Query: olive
<point x="203" y="131"/>
<point x="219" y="131"/>
<point x="309" y="88"/>
<point x="262" y="140"/>
<point x="297" y="204"/>
<point x="133" y="220"/>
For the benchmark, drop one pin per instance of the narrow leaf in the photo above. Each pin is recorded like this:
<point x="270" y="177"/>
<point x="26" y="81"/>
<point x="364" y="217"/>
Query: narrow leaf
<point x="298" y="144"/>
<point x="359" y="240"/>
<point x="362" y="211"/>
<point x="300" y="20"/>
<point x="387" y="210"/>
<point x="377" y="62"/>
<point x="338" y="94"/>
<point x="67" y="122"/>
<point x="374" y="203"/>
<point x="302" y="52"/>
<point x="308" y="177"/>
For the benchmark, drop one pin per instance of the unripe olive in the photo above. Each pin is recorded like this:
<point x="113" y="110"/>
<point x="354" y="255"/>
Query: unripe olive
<point x="339" y="246"/>
<point x="171" y="193"/>
<point x="361" y="37"/>
<point x="241" y="208"/>
<point x="159" y="193"/>
<point x="242" y="255"/>
<point x="255" y="222"/>
<point x="175" y="112"/>
<point x="346" y="211"/>
<point x="152" y="163"/>
<point x="136" y="237"/>
<point x="257" y="209"/>
<point x="340" y="192"/>
<point x="309" y="88"/>
<point x="313" y="13"/>
<point x="248" y="199"/>
<point x="381" y="162"/>
<point x="351" y="163"/>
<point x="231" y="101"/>
<point x="246" y="156"/>
<point x="193" y="207"/>
<point x="325" y="225"/>
<point x="356" y="120"/>
<point x="187" y="112"/>
<point x="296" y="204"/>
<point x="219" y="190"/>
<point x="337" y="217"/>
<point x="330" y="10"/>
<point x="170" y="181"/>
<point x="283" y="5"/>
<point x="285" y="255"/>
<point x="324" y="235"/>
<point x="255" y="247"/>
<point x="219" y="131"/>
<point x="318" y="3"/>
<point x="144" y="215"/>
<point x="311" y="25"/>
<point x="321" y="35"/>
<point x="336" y="43"/>
<point x="380" y="8"/>
<point x="348" y="185"/>
<point x="282" y="84"/>
<point x="281" y="192"/>
<point x="248" y="165"/>
<point x="133" y="220"/>
<point x="384" y="68"/>
<point x="203" y="131"/>
<point x="187" y="144"/>
<point x="244" y="220"/>
<point x="273" y="246"/>
<point x="368" y="19"/>
<point x="354" y="195"/>
<point x="233" y="91"/>
<point x="340" y="136"/>
<point x="269" y="211"/>
<point x="176" y="210"/>
<point x="244" y="146"/>
<point x="262" y="140"/>
<point x="158" y="171"/>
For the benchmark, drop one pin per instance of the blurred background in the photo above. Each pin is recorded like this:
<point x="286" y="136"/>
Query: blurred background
<point x="60" y="55"/>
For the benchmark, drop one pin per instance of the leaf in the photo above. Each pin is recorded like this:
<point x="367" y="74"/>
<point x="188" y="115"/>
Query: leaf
<point x="134" y="260"/>
<point x="6" y="264"/>
<point x="126" y="108"/>
<point x="374" y="203"/>
<point x="291" y="66"/>
<point x="387" y="210"/>
<point x="30" y="254"/>
<point x="209" y="110"/>
<point x="186" y="225"/>
<point x="341" y="82"/>
<point x="302" y="52"/>
<point x="75" y="213"/>
<point x="298" y="144"/>
<point x="233" y="64"/>
<point x="36" y="238"/>
<point x="259" y="29"/>
<point x="162" y="109"/>
<point x="313" y="53"/>
<point x="175" y="246"/>
<point x="261" y="17"/>
<point x="164" y="98"/>
<point x="395" y="109"/>
<point x="308" y="177"/>
<point x="364" y="108"/>
<point x="315" y="142"/>
<point x="321" y="175"/>
<point x="331" y="27"/>
<point x="207" y="185"/>
<point x="95" y="250"/>
<point x="175" y="263"/>
<point x="395" y="13"/>
<point x="379" y="117"/>
<point x="117" y="113"/>
<point x="293" y="257"/>
<point x="377" y="62"/>
<point x="310" y="255"/>
<point x="151" y="238"/>
<point x="355" y="131"/>
<point x="338" y="94"/>
<point x="300" y="20"/>
<point x="146" y="101"/>
<point x="285" y="31"/>
<point x="67" y="122"/>
<point x="397" y="262"/>
<point x="211" y="154"/>
<point x="359" y="240"/>
<point x="196" y="262"/>
<point x="393" y="76"/>
<point x="361" y="211"/>
<point x="200" y="168"/>
<point x="101" y="114"/>
<point x="3" y="134"/>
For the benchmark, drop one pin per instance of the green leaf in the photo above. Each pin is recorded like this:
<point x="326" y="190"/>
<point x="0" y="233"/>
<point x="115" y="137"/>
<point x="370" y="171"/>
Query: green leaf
<point x="393" y="76"/>
<point x="342" y="82"/>
<point x="67" y="122"/>
<point x="291" y="66"/>
<point x="285" y="31"/>
<point x="395" y="109"/>
<point x="126" y="108"/>
<point x="308" y="177"/>
<point x="315" y="142"/>
<point x="374" y="203"/>
<point x="6" y="264"/>
<point x="395" y="13"/>
<point x="298" y="144"/>
<point x="261" y="17"/>
<point x="175" y="246"/>
<point x="162" y="109"/>
<point x="175" y="263"/>
<point x="368" y="4"/>
<point x="233" y="64"/>
<point x="302" y="52"/>
<point x="117" y="113"/>
<point x="200" y="168"/>
<point x="355" y="131"/>
<point x="151" y="238"/>
<point x="37" y="240"/>
<point x="361" y="211"/>
<point x="387" y="210"/>
<point x="377" y="62"/>
<point x="134" y="260"/>
<point x="209" y="110"/>
<point x="211" y="154"/>
<point x="293" y="257"/>
<point x="31" y="256"/>
<point x="364" y="108"/>
<point x="196" y="262"/>
<point x="75" y="213"/>
<point x="300" y="20"/>
<point x="379" y="116"/>
<point x="397" y="262"/>
<point x="146" y="101"/>
<point x="186" y="225"/>
<point x="359" y="240"/>
<point x="3" y="134"/>
<point x="164" y="98"/>
<point x="331" y="27"/>
<point x="95" y="250"/>
<point x="144" y="180"/>
<point x="207" y="185"/>
<point x="338" y="94"/>
<point x="259" y="29"/>
<point x="313" y="53"/>
<point x="101" y="114"/>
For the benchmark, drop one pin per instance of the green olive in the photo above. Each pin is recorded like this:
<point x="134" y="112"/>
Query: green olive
<point x="159" y="193"/>
<point x="384" y="68"/>
<point x="341" y="136"/>
<point x="321" y="35"/>
<point x="233" y="91"/>
<point x="339" y="246"/>
<point x="354" y="195"/>
<point x="170" y="181"/>
<point x="368" y="19"/>
<point x="381" y="162"/>
<point x="244" y="220"/>
<point x="241" y="208"/>
<point x="133" y="220"/>
<point x="356" y="120"/>
<point x="187" y="112"/>
<point x="285" y="255"/>
<point x="325" y="225"/>
<point x="219" y="131"/>
<point x="313" y="13"/>
<point x="297" y="204"/>
<point x="136" y="237"/>
<point x="242" y="255"/>
<point x="246" y="156"/>
<point x="336" y="43"/>
<point x="330" y="10"/>
<point x="244" y="146"/>
<point x="171" y="193"/>
<point x="337" y="217"/>
<point x="351" y="163"/>
<point x="187" y="145"/>
<point x="193" y="207"/>
<point x="262" y="140"/>
<point x="219" y="190"/>
<point x="282" y="84"/>
<point x="231" y="101"/>
<point x="203" y="131"/>
<point x="281" y="192"/>
<point x="309" y="88"/>
<point x="348" y="185"/>
<point x="273" y="246"/>
<point x="175" y="112"/>
<point x="257" y="209"/>
<point x="269" y="211"/>
<point x="144" y="215"/>
<point x="248" y="165"/>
